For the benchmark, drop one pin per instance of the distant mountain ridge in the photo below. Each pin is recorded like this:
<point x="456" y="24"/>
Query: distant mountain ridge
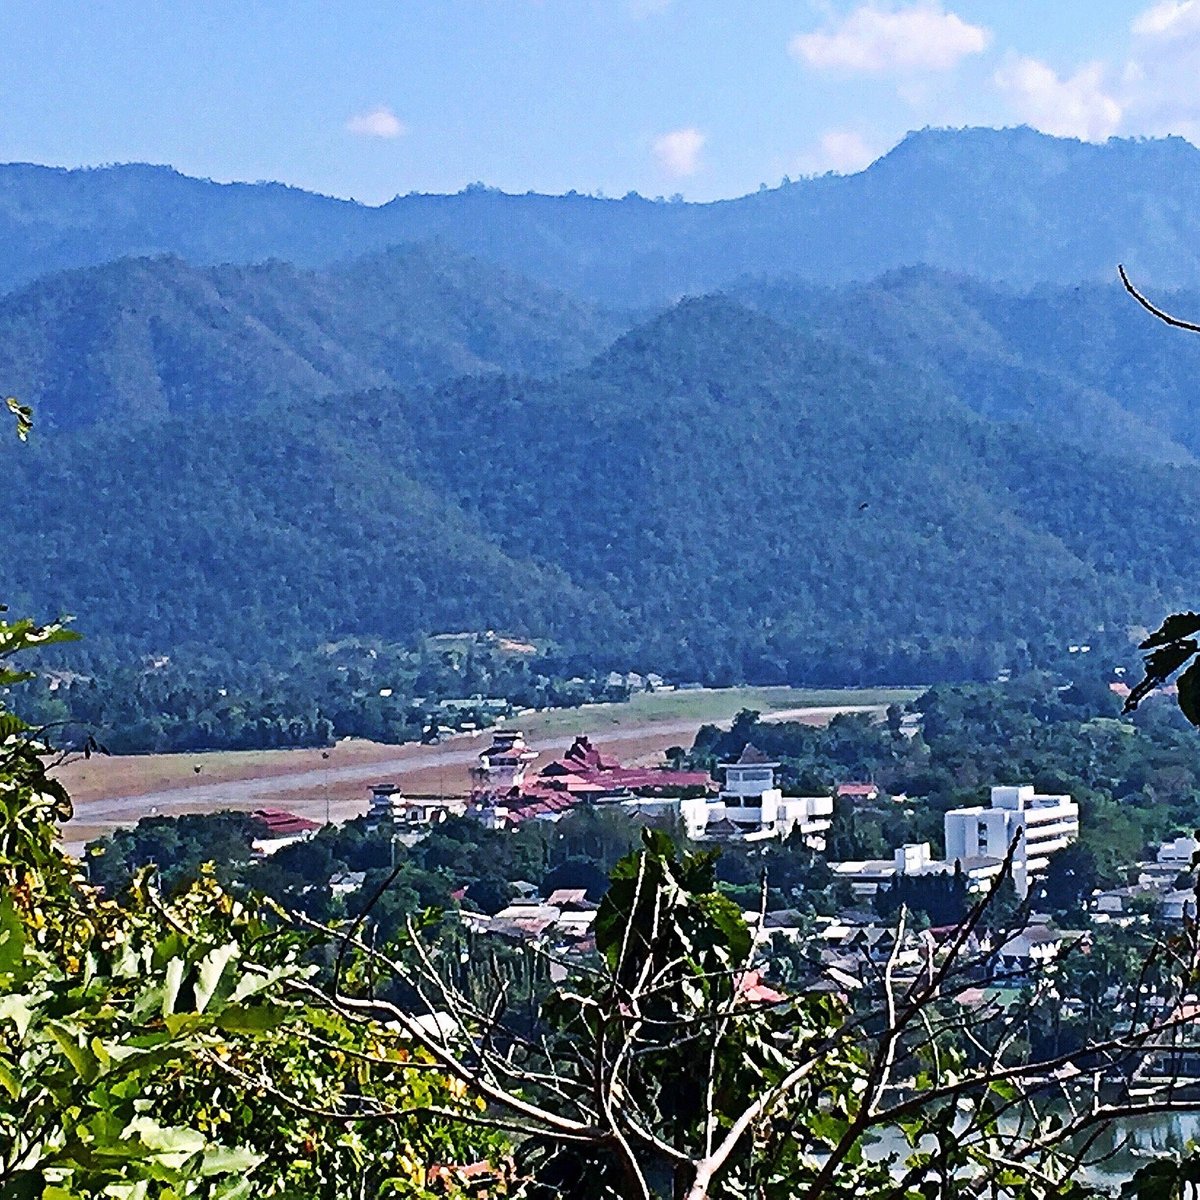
<point x="142" y="339"/>
<point x="1083" y="363"/>
<point x="1004" y="205"/>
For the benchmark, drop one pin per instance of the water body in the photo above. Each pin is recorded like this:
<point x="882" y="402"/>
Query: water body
<point x="1116" y="1154"/>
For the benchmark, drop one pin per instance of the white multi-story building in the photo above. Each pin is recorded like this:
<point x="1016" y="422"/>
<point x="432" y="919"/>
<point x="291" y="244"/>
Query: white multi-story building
<point x="750" y="807"/>
<point x="390" y="806"/>
<point x="502" y="765"/>
<point x="1041" y="825"/>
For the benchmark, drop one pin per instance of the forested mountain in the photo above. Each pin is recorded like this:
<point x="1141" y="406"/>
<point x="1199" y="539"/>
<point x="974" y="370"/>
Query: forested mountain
<point x="1009" y="205"/>
<point x="1082" y="362"/>
<point x="717" y="496"/>
<point x="140" y="338"/>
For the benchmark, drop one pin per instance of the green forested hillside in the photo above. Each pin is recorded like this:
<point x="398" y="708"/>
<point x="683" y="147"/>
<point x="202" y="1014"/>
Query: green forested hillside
<point x="141" y="338"/>
<point x="1083" y="362"/>
<point x="716" y="496"/>
<point x="1009" y="205"/>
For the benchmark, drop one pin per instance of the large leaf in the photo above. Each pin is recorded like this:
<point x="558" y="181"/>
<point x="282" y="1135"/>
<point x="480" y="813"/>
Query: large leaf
<point x="212" y="968"/>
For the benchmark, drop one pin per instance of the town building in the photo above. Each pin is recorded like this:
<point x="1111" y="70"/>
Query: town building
<point x="1038" y="825"/>
<point x="858" y="792"/>
<point x="506" y="796"/>
<point x="390" y="806"/>
<point x="1172" y="859"/>
<point x="1034" y="948"/>
<point x="503" y="764"/>
<point x="278" y="828"/>
<point x="867" y="876"/>
<point x="751" y="807"/>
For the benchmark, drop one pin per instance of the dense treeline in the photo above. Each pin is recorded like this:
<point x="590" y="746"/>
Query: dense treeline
<point x="366" y="690"/>
<point x="457" y="862"/>
<point x="1081" y="363"/>
<point x="140" y="339"/>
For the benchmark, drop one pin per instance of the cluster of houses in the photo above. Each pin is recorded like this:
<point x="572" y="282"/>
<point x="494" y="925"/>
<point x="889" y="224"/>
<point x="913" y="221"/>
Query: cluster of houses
<point x="564" y="917"/>
<point x="506" y="793"/>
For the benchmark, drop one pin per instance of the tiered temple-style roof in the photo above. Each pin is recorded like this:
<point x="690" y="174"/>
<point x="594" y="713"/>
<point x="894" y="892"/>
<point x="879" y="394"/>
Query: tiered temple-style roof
<point x="585" y="774"/>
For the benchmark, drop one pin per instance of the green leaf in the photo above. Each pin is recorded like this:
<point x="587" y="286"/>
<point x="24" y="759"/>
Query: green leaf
<point x="12" y="937"/>
<point x="171" y="985"/>
<point x="1170" y="657"/>
<point x="13" y="1008"/>
<point x="212" y="967"/>
<point x="9" y="1081"/>
<point x="80" y="1057"/>
<point x="24" y="415"/>
<point x="226" y="1161"/>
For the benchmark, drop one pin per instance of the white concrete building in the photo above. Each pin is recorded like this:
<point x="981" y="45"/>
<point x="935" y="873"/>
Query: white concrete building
<point x="1171" y="860"/>
<point x="750" y="807"/>
<point x="502" y="765"/>
<point x="1041" y="825"/>
<point x="390" y="806"/>
<point x="867" y="876"/>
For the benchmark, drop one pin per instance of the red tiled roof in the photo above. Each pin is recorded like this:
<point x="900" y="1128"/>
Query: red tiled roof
<point x="278" y="822"/>
<point x="751" y="987"/>
<point x="857" y="789"/>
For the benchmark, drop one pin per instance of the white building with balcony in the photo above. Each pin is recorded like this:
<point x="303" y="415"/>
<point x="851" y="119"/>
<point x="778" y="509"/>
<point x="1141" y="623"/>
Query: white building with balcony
<point x="503" y="764"/>
<point x="750" y="807"/>
<point x="390" y="806"/>
<point x="866" y="877"/>
<point x="1041" y="825"/>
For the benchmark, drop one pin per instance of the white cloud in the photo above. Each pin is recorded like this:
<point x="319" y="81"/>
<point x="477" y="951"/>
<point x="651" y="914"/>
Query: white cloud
<point x="1160" y="77"/>
<point x="1079" y="106"/>
<point x="922" y="37"/>
<point x="678" y="152"/>
<point x="841" y="150"/>
<point x="1170" y="19"/>
<point x="378" y="122"/>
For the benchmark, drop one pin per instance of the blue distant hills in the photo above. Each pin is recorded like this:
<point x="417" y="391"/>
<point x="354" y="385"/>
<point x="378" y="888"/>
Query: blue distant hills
<point x="1006" y="205"/>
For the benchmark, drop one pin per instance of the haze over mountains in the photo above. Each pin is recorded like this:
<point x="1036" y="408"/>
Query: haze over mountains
<point x="825" y="474"/>
<point x="1011" y="205"/>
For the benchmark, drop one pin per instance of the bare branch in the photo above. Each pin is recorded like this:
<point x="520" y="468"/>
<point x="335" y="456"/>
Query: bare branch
<point x="1154" y="310"/>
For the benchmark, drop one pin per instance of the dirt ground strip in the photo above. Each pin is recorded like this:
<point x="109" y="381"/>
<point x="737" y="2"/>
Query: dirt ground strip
<point x="335" y="783"/>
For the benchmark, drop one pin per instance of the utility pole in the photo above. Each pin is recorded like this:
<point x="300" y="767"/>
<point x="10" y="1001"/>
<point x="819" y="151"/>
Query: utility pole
<point x="325" y="784"/>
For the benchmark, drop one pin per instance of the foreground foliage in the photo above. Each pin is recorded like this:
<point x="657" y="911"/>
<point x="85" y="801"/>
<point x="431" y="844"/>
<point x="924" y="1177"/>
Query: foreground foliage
<point x="175" y="1047"/>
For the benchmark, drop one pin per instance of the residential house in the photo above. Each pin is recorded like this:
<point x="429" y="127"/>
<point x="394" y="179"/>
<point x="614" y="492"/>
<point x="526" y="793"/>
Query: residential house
<point x="279" y="828"/>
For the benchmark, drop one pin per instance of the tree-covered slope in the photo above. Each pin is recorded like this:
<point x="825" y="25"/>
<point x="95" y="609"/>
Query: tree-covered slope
<point x="1083" y="363"/>
<point x="255" y="536"/>
<point x="716" y="496"/>
<point x="141" y="338"/>
<point x="1009" y="205"/>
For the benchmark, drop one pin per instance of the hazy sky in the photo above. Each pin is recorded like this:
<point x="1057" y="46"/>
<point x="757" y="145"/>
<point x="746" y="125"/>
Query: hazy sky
<point x="704" y="97"/>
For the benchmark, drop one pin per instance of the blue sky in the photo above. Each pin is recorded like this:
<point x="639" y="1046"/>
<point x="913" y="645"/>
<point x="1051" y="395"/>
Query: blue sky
<point x="707" y="98"/>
